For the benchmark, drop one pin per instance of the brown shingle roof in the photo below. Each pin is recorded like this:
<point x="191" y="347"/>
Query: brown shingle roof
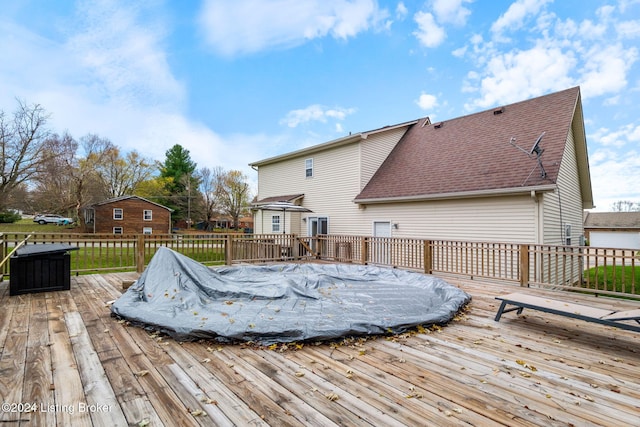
<point x="612" y="220"/>
<point x="473" y="154"/>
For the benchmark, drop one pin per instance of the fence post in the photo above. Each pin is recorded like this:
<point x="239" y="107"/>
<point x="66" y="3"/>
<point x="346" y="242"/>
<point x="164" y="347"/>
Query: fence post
<point x="321" y="244"/>
<point x="364" y="250"/>
<point x="228" y="250"/>
<point x="295" y="247"/>
<point x="140" y="253"/>
<point x="428" y="257"/>
<point x="3" y="251"/>
<point x="524" y="266"/>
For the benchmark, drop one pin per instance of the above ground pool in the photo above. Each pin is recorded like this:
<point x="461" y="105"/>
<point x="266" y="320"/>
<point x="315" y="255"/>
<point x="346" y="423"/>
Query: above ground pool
<point x="283" y="302"/>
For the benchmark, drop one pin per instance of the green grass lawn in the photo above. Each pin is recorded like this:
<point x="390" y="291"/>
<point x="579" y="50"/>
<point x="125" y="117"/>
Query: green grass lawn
<point x="28" y="226"/>
<point x="94" y="256"/>
<point x="619" y="279"/>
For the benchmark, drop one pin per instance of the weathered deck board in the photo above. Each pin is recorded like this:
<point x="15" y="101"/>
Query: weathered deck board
<point x="38" y="365"/>
<point x="63" y="349"/>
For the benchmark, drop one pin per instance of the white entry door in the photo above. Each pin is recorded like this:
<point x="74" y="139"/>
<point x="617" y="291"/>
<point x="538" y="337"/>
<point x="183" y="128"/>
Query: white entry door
<point x="317" y="225"/>
<point x="382" y="229"/>
<point x="379" y="250"/>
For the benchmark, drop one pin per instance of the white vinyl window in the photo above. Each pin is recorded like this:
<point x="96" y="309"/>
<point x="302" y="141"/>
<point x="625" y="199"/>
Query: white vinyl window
<point x="117" y="230"/>
<point x="147" y="215"/>
<point x="147" y="230"/>
<point x="275" y="224"/>
<point x="118" y="213"/>
<point x="308" y="168"/>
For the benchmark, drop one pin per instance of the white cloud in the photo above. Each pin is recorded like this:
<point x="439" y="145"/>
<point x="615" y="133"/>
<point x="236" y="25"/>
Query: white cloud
<point x="617" y="138"/>
<point x="629" y="29"/>
<point x="315" y="112"/>
<point x="109" y="77"/>
<point x="589" y="53"/>
<point x="516" y="15"/>
<point x="427" y="101"/>
<point x="247" y="26"/>
<point x="123" y="56"/>
<point x="451" y="11"/>
<point x="428" y="33"/>
<point x="401" y="11"/>
<point x="614" y="176"/>
<point x="605" y="69"/>
<point x="517" y="75"/>
<point x="589" y="30"/>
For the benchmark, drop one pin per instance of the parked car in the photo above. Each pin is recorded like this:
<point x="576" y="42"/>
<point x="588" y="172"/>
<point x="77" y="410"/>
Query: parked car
<point x="52" y="219"/>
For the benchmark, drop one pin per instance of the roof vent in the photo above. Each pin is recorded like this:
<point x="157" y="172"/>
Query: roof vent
<point x="438" y="125"/>
<point x="498" y="111"/>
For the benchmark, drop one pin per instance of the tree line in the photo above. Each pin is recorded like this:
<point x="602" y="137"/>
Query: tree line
<point x="46" y="172"/>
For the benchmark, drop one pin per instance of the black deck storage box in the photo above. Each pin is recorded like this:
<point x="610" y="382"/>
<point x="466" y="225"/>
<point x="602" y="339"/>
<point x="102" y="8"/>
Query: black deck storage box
<point x="40" y="268"/>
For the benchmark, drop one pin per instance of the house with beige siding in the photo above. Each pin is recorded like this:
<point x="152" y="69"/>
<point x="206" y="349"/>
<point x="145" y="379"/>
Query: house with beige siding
<point x="471" y="178"/>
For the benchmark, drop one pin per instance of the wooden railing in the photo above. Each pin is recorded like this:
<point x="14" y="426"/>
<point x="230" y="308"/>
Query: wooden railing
<point x="597" y="270"/>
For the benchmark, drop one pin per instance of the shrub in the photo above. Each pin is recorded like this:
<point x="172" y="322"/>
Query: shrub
<point x="7" y="217"/>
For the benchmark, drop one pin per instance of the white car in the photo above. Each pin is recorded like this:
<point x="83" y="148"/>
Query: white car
<point x="52" y="219"/>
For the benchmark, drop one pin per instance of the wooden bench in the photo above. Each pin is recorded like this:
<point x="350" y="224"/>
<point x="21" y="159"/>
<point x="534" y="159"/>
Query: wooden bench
<point x="576" y="311"/>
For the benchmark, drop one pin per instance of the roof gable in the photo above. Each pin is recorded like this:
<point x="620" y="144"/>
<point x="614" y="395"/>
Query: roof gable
<point x="121" y="198"/>
<point x="472" y="154"/>
<point x="349" y="139"/>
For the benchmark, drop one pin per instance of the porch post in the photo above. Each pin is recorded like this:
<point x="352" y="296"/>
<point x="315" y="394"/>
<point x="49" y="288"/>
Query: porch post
<point x="228" y="250"/>
<point x="295" y="246"/>
<point x="140" y="253"/>
<point x="524" y="266"/>
<point x="364" y="250"/>
<point x="428" y="256"/>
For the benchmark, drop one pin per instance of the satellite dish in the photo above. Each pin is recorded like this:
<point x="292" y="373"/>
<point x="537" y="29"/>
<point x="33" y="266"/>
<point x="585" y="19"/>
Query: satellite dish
<point x="535" y="149"/>
<point x="536" y="146"/>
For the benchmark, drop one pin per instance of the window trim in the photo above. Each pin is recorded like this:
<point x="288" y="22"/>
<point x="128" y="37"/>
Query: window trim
<point x="144" y="214"/>
<point x="275" y="221"/>
<point x="115" y="230"/>
<point x="308" y="167"/>
<point x="121" y="214"/>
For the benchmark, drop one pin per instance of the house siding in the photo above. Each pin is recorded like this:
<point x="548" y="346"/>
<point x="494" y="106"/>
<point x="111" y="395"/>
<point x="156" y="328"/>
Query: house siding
<point x="330" y="192"/>
<point x="564" y="205"/>
<point x="374" y="150"/>
<point x="495" y="219"/>
<point x="132" y="221"/>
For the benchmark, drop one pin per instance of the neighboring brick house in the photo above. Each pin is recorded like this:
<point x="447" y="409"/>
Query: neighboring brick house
<point x="128" y="215"/>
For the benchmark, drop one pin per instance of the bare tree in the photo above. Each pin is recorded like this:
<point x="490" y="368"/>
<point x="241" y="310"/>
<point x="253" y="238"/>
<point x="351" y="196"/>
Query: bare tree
<point x="121" y="176"/>
<point x="68" y="180"/>
<point x="22" y="137"/>
<point x="232" y="193"/>
<point x="208" y="185"/>
<point x="625" y="206"/>
<point x="54" y="184"/>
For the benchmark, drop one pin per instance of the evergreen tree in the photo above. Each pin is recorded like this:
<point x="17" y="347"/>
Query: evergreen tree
<point x="178" y="171"/>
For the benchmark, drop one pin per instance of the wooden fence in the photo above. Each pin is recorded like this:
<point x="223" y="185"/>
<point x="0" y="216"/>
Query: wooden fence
<point x="597" y="270"/>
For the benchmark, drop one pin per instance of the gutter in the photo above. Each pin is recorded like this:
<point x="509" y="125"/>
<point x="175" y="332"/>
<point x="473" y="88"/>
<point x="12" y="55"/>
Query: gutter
<point x="458" y="195"/>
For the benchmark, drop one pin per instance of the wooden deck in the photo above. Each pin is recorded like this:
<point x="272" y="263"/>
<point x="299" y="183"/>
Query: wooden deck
<point x="65" y="361"/>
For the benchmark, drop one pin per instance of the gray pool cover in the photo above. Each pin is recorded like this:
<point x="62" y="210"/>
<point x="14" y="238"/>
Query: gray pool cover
<point x="283" y="302"/>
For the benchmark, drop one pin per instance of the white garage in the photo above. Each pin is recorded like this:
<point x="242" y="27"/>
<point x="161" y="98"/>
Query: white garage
<point x="615" y="239"/>
<point x="620" y="230"/>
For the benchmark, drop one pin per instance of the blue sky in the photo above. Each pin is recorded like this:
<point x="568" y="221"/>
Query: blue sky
<point x="239" y="81"/>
